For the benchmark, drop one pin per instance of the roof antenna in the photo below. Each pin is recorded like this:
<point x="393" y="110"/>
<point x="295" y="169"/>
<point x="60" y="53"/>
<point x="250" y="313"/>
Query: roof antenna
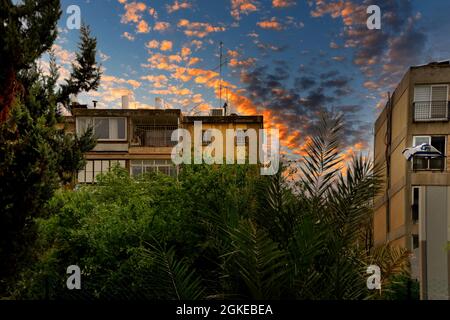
<point x="220" y="72"/>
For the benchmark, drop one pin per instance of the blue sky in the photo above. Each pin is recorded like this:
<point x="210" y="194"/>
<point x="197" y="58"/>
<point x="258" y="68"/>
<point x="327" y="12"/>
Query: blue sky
<point x="285" y="59"/>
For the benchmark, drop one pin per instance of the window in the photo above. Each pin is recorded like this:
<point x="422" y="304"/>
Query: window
<point x="104" y="128"/>
<point x="431" y="102"/>
<point x="95" y="167"/>
<point x="430" y="164"/>
<point x="206" y="137"/>
<point x="241" y="137"/>
<point x="415" y="241"/>
<point x="415" y="204"/>
<point x="139" y="167"/>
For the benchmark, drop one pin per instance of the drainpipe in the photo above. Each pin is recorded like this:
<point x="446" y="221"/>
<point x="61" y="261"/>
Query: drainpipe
<point x="388" y="141"/>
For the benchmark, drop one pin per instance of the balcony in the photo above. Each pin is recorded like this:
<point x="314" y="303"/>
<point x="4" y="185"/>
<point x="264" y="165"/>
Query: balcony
<point x="425" y="164"/>
<point x="155" y="136"/>
<point x="431" y="111"/>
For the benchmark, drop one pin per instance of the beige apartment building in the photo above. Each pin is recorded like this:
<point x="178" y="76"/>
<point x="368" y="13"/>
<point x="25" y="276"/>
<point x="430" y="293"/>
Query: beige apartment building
<point x="413" y="210"/>
<point x="140" y="139"/>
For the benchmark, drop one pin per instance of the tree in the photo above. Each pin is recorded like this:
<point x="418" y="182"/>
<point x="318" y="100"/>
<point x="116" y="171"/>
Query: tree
<point x="28" y="30"/>
<point x="36" y="155"/>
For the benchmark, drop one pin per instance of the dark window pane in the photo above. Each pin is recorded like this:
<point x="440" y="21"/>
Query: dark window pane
<point x="136" y="171"/>
<point x="415" y="241"/>
<point x="438" y="143"/>
<point x="102" y="128"/>
<point x="121" y="128"/>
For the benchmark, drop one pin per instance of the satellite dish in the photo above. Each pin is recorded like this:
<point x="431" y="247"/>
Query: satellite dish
<point x="423" y="150"/>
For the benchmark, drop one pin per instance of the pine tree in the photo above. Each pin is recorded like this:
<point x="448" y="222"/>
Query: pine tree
<point x="85" y="75"/>
<point x="27" y="30"/>
<point x="36" y="155"/>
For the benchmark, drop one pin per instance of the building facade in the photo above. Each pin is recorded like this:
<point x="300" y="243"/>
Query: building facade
<point x="140" y="140"/>
<point x="413" y="209"/>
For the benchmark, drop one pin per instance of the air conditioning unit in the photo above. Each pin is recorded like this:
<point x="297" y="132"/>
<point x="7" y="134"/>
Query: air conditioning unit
<point x="217" y="112"/>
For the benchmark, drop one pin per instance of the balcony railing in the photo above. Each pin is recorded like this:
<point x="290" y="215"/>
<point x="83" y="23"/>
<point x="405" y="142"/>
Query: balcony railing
<point x="153" y="136"/>
<point x="431" y="110"/>
<point x="422" y="164"/>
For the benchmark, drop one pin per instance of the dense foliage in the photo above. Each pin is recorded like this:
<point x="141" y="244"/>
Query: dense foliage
<point x="217" y="232"/>
<point x="37" y="157"/>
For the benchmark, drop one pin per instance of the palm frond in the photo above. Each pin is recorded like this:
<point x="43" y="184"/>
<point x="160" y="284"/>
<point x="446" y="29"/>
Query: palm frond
<point x="322" y="160"/>
<point x="173" y="277"/>
<point x="261" y="267"/>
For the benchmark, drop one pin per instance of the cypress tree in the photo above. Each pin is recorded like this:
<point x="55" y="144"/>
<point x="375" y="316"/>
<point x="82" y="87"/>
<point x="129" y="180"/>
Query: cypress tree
<point x="37" y="156"/>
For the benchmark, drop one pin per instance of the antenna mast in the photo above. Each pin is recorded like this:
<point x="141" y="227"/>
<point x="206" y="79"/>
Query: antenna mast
<point x="220" y="72"/>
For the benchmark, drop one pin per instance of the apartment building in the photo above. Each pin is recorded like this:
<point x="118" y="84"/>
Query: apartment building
<point x="413" y="210"/>
<point x="140" y="139"/>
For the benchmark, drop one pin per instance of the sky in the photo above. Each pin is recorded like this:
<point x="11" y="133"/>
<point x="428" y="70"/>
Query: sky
<point x="287" y="60"/>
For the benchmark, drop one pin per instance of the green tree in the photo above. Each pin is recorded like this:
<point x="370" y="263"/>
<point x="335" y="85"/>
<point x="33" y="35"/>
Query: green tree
<point x="36" y="155"/>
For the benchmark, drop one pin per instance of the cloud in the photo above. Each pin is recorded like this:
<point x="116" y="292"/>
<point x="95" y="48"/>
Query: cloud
<point x="185" y="51"/>
<point x="270" y="24"/>
<point x="103" y="56"/>
<point x="197" y="44"/>
<point x="107" y="80"/>
<point x="166" y="45"/>
<point x="161" y="62"/>
<point x="142" y="27"/>
<point x="239" y="7"/>
<point x="382" y="55"/>
<point x="172" y="90"/>
<point x="178" y="6"/>
<point x="128" y="36"/>
<point x="152" y="44"/>
<point x="334" y="45"/>
<point x="161" y="26"/>
<point x="283" y="3"/>
<point x="247" y="63"/>
<point x="159" y="81"/>
<point x="133" y="12"/>
<point x="198" y="29"/>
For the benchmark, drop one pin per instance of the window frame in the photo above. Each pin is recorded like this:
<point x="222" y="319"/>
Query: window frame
<point x="430" y="101"/>
<point x="92" y="123"/>
<point x="430" y="138"/>
<point x="154" y="165"/>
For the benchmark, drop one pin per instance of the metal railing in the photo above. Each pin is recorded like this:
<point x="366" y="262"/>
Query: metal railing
<point x="153" y="136"/>
<point x="431" y="110"/>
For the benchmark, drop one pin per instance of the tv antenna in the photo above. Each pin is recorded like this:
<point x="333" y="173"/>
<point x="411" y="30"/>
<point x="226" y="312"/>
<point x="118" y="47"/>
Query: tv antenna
<point x="220" y="73"/>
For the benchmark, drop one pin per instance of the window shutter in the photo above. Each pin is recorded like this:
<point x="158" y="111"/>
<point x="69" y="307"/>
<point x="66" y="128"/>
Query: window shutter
<point x="439" y="93"/>
<point x="422" y="93"/>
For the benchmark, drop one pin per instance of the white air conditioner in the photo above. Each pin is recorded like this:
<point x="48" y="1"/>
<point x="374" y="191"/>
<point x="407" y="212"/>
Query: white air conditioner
<point x="217" y="112"/>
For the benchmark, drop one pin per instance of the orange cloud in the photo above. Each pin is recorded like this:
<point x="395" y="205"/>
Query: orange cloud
<point x="115" y="80"/>
<point x="198" y="29"/>
<point x="235" y="63"/>
<point x="239" y="7"/>
<point x="142" y="27"/>
<point x="283" y="3"/>
<point x="133" y="12"/>
<point x="158" y="81"/>
<point x="161" y="26"/>
<point x="172" y="90"/>
<point x="178" y="6"/>
<point x="153" y="44"/>
<point x="185" y="51"/>
<point x="270" y="24"/>
<point x="166" y="45"/>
